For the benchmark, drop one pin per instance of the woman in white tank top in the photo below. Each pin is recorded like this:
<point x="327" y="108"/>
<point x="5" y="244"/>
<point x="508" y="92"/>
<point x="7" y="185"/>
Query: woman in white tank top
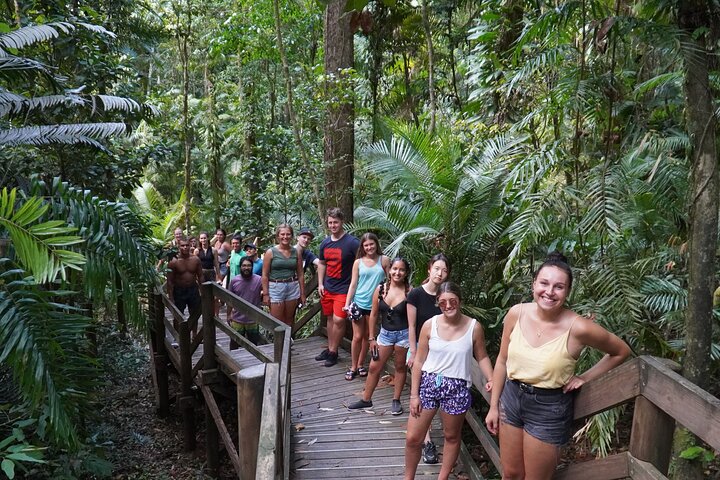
<point x="441" y="378"/>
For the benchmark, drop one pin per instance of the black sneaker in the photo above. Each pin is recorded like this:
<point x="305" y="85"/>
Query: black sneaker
<point x="360" y="405"/>
<point x="396" y="408"/>
<point x="429" y="453"/>
<point x="323" y="355"/>
<point x="332" y="358"/>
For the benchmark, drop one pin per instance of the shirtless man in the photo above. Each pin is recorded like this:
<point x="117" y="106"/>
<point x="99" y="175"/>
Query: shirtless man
<point x="183" y="280"/>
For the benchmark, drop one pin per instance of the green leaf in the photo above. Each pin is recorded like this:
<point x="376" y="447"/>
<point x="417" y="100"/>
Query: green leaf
<point x="8" y="467"/>
<point x="692" y="453"/>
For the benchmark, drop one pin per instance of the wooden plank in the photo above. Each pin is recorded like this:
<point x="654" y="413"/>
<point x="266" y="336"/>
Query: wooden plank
<point x="174" y="311"/>
<point x="186" y="401"/>
<point x="651" y="436"/>
<point x="243" y="342"/>
<point x="222" y="429"/>
<point x="269" y="443"/>
<point x="691" y="406"/>
<point x="309" y="315"/>
<point x="254" y="313"/>
<point x="485" y="438"/>
<point x="171" y="328"/>
<point x="608" y="468"/>
<point x="250" y="384"/>
<point x="469" y="467"/>
<point x="595" y="396"/>
<point x="640" y="470"/>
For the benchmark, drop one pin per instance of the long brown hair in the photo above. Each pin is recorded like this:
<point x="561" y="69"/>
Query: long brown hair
<point x="365" y="237"/>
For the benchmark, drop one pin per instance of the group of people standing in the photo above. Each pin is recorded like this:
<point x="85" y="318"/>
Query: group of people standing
<point x="533" y="381"/>
<point x="532" y="384"/>
<point x="274" y="279"/>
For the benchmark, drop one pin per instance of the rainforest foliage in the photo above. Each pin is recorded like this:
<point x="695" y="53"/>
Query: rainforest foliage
<point x="494" y="131"/>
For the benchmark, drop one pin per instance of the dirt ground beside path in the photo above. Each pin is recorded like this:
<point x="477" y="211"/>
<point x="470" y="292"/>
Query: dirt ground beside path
<point x="139" y="444"/>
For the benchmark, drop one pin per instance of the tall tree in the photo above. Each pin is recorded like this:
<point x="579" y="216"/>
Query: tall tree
<point x="431" y="63"/>
<point x="699" y="22"/>
<point x="339" y="142"/>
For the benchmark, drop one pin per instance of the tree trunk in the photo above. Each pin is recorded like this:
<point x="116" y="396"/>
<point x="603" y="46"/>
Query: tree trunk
<point x="431" y="64"/>
<point x="216" y="172"/>
<point x="183" y="34"/>
<point x="304" y="155"/>
<point x="695" y="16"/>
<point x="339" y="143"/>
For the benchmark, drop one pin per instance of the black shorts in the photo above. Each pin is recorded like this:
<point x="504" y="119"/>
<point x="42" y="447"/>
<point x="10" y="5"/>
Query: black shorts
<point x="187" y="297"/>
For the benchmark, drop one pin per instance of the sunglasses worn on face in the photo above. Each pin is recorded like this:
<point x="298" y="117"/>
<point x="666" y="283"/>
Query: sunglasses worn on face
<point x="447" y="303"/>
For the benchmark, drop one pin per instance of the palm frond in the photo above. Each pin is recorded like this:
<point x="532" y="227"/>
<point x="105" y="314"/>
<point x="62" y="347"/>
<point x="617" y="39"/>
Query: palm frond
<point x="31" y="34"/>
<point x="43" y="341"/>
<point x="38" y="245"/>
<point x="86" y="133"/>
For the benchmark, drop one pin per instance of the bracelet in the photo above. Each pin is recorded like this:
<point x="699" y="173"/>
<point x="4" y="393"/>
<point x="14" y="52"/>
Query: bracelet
<point x="413" y="396"/>
<point x="371" y="339"/>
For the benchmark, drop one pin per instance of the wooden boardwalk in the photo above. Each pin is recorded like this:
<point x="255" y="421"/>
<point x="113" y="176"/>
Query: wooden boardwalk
<point x="330" y="441"/>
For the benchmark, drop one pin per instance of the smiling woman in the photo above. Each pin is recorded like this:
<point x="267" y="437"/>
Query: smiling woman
<point x="532" y="401"/>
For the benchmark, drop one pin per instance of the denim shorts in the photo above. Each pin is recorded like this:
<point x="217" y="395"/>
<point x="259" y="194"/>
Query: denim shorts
<point x="452" y="395"/>
<point x="546" y="416"/>
<point x="388" y="338"/>
<point x="284" y="291"/>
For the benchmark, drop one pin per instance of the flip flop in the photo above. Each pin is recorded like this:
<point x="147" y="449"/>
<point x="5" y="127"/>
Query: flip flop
<point x="362" y="372"/>
<point x="350" y="374"/>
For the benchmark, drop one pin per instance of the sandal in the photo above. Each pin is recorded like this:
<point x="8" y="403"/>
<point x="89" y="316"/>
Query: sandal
<point x="350" y="374"/>
<point x="362" y="372"/>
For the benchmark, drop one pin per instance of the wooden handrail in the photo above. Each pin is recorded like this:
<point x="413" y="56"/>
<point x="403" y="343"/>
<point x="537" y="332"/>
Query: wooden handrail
<point x="272" y="396"/>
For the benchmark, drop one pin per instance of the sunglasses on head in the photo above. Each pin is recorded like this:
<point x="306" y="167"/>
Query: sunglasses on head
<point x="447" y="303"/>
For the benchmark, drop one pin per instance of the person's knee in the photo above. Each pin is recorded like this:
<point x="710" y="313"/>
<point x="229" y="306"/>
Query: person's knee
<point x="414" y="439"/>
<point x="452" y="436"/>
<point x="375" y="367"/>
<point x="400" y="367"/>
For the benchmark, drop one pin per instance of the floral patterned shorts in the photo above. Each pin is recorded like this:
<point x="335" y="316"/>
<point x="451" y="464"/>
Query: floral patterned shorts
<point x="452" y="395"/>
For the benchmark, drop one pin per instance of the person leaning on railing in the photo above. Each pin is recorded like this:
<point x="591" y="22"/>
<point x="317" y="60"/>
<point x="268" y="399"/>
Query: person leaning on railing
<point x="531" y="405"/>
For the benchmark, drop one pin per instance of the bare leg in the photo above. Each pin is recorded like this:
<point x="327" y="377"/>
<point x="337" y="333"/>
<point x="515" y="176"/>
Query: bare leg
<point x="511" y="452"/>
<point x="277" y="309"/>
<point x="335" y="335"/>
<point x="365" y="343"/>
<point x="376" y="368"/>
<point x="413" y="441"/>
<point x="357" y="343"/>
<point x="540" y="458"/>
<point x="400" y="371"/>
<point x="289" y="313"/>
<point x="452" y="427"/>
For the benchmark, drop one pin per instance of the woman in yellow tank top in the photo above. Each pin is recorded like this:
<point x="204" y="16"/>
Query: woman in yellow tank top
<point x="531" y="406"/>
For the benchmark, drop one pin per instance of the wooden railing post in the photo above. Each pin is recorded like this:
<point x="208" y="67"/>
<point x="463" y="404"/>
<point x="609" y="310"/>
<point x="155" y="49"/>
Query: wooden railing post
<point x="186" y="402"/>
<point x="270" y="442"/>
<point x="250" y="384"/>
<point x="160" y="359"/>
<point x="212" y="436"/>
<point x="278" y="341"/>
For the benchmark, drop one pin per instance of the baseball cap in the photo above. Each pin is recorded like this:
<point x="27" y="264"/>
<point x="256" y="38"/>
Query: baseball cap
<point x="249" y="245"/>
<point x="306" y="231"/>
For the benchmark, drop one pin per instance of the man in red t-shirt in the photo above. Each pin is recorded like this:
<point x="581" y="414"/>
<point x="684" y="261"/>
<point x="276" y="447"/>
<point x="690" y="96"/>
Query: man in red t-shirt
<point x="337" y="255"/>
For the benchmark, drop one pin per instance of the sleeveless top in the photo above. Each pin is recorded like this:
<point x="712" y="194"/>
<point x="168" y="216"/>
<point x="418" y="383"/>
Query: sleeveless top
<point x="281" y="267"/>
<point x="548" y="366"/>
<point x="207" y="259"/>
<point x="395" y="318"/>
<point x="368" y="279"/>
<point x="222" y="254"/>
<point x="452" y="359"/>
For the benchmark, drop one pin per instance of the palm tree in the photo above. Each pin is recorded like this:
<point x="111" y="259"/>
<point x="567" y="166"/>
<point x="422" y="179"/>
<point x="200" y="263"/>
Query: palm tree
<point x="54" y="229"/>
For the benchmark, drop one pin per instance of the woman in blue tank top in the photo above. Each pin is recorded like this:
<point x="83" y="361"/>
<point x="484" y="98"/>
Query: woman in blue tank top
<point x="369" y="271"/>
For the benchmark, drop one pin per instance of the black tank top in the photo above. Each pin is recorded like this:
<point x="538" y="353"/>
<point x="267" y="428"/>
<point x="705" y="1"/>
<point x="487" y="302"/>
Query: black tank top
<point x="393" y="319"/>
<point x="207" y="260"/>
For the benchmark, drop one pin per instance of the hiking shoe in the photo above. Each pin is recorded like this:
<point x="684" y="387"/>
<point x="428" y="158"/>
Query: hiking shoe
<point x="396" y="408"/>
<point x="429" y="453"/>
<point x="332" y="358"/>
<point x="323" y="355"/>
<point x="360" y="404"/>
